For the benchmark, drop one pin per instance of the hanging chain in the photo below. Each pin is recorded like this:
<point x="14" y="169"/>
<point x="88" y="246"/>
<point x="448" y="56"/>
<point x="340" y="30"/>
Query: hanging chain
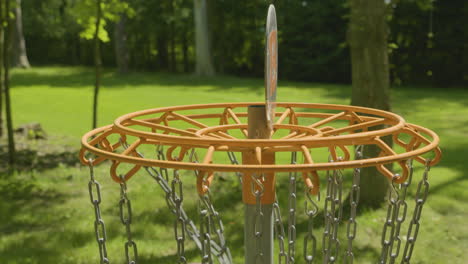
<point x="99" y="227"/>
<point x="333" y="213"/>
<point x="413" y="229"/>
<point x="257" y="189"/>
<point x="233" y="159"/>
<point x="279" y="230"/>
<point x="401" y="209"/>
<point x="161" y="156"/>
<point x="190" y="228"/>
<point x="311" y="210"/>
<point x="390" y="220"/>
<point x="205" y="230"/>
<point x="292" y="212"/>
<point x="125" y="207"/>
<point x="216" y="224"/>
<point x="353" y="202"/>
<point x="177" y="195"/>
<point x="215" y="221"/>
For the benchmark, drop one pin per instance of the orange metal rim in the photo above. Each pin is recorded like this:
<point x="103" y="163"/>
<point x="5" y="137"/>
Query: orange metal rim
<point x="398" y="125"/>
<point x="342" y="139"/>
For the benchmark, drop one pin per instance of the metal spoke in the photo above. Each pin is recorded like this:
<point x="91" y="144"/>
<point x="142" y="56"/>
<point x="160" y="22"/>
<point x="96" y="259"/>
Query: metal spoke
<point x="327" y="120"/>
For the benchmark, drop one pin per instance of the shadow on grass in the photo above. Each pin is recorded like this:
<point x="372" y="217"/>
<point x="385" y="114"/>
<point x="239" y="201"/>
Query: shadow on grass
<point x="454" y="157"/>
<point x="84" y="77"/>
<point x="24" y="217"/>
<point x="34" y="160"/>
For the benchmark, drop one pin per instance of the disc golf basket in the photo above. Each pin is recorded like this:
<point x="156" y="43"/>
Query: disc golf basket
<point x="322" y="140"/>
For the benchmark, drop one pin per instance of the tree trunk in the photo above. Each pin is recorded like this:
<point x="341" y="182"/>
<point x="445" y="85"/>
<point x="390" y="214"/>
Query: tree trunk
<point x="121" y="48"/>
<point x="370" y="81"/>
<point x="185" y="46"/>
<point x="173" y="63"/>
<point x="163" y="53"/>
<point x="20" y="57"/>
<point x="203" y="64"/>
<point x="97" y="62"/>
<point x="2" y="43"/>
<point x="6" y="80"/>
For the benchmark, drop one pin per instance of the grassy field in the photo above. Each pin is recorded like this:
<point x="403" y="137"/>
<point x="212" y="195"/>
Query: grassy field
<point x="46" y="215"/>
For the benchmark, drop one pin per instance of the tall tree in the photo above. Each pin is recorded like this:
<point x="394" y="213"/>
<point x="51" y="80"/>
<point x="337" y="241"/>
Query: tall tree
<point x="6" y="85"/>
<point x="370" y="80"/>
<point x="2" y="44"/>
<point x="121" y="44"/>
<point x="20" y="57"/>
<point x="203" y="64"/>
<point x="97" y="61"/>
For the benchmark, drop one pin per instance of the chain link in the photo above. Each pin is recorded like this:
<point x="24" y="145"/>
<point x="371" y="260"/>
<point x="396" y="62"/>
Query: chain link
<point x="333" y="213"/>
<point x="233" y="159"/>
<point x="311" y="210"/>
<point x="205" y="230"/>
<point x="279" y="230"/>
<point x="413" y="229"/>
<point x="257" y="190"/>
<point x="292" y="212"/>
<point x="401" y="210"/>
<point x="161" y="156"/>
<point x="99" y="227"/>
<point x="177" y="195"/>
<point x="216" y="224"/>
<point x="215" y="221"/>
<point x="354" y="196"/>
<point x="125" y="207"/>
<point x="389" y="224"/>
<point x="190" y="228"/>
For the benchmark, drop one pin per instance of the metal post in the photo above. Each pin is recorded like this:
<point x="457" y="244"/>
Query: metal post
<point x="258" y="129"/>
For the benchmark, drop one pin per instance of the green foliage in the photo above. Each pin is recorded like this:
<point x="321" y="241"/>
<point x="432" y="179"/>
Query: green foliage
<point x="85" y="14"/>
<point x="312" y="37"/>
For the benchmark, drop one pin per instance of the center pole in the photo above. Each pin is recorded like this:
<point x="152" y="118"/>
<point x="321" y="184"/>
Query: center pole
<point x="258" y="248"/>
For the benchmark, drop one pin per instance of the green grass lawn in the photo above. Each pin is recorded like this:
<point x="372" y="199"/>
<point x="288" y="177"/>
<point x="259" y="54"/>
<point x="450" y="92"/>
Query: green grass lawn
<point x="46" y="215"/>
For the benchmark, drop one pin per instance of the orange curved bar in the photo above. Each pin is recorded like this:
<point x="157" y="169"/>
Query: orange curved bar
<point x="203" y="184"/>
<point x="394" y="120"/>
<point x="420" y="144"/>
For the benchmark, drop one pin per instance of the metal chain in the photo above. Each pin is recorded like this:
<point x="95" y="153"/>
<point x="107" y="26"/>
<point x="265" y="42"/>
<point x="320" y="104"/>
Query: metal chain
<point x="292" y="212"/>
<point x="257" y="190"/>
<point x="99" y="227"/>
<point x="413" y="229"/>
<point x="177" y="195"/>
<point x="216" y="224"/>
<point x="190" y="228"/>
<point x="354" y="196"/>
<point x="205" y="230"/>
<point x="389" y="224"/>
<point x="401" y="210"/>
<point x="338" y="213"/>
<point x="311" y="210"/>
<point x="233" y="159"/>
<point x="279" y="230"/>
<point x="161" y="156"/>
<point x="125" y="207"/>
<point x="333" y="214"/>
